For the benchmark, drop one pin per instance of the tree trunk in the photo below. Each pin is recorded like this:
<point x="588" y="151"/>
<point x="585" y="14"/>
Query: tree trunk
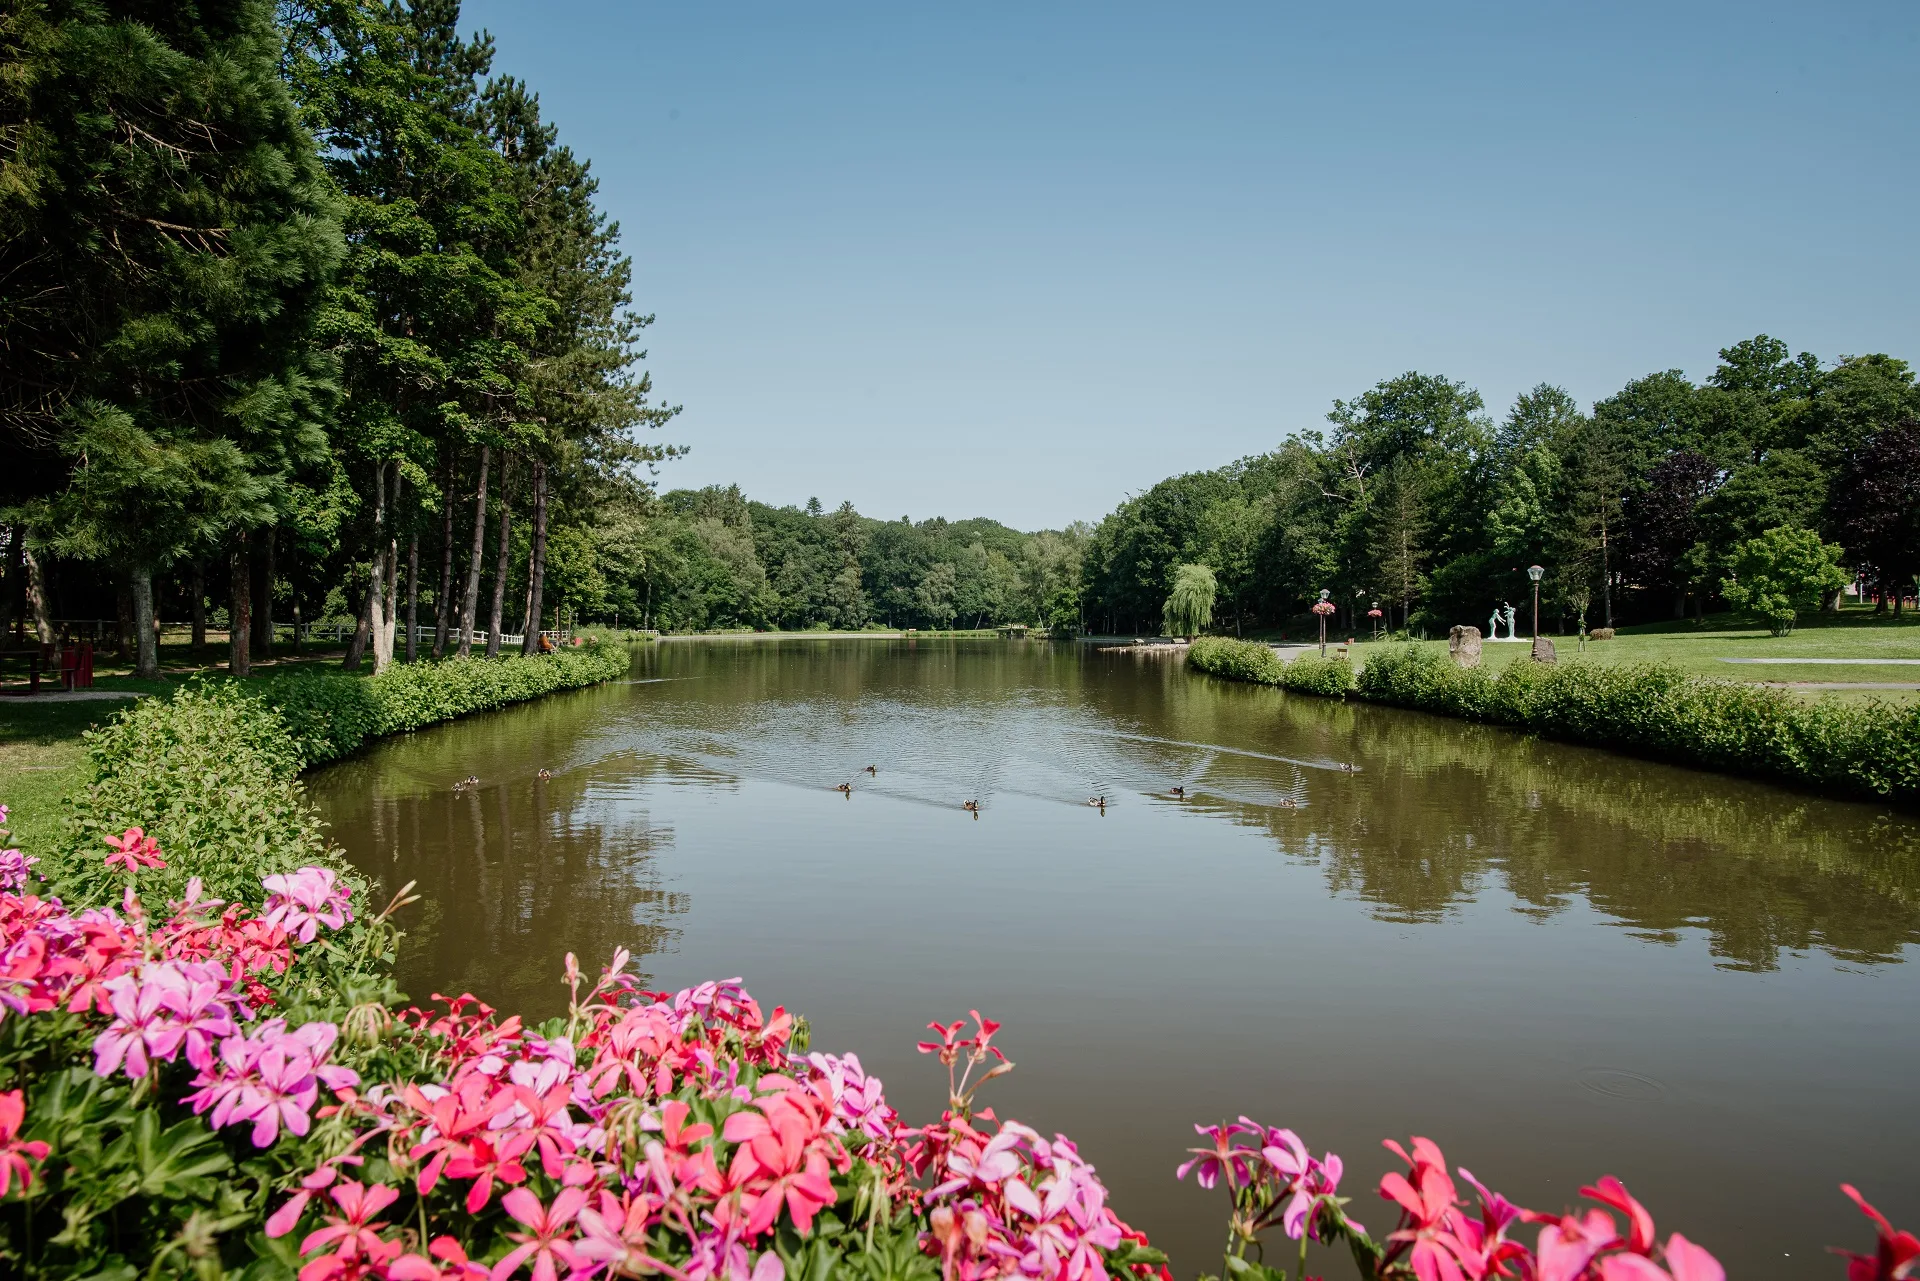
<point x="537" y="578"/>
<point x="147" y="664"/>
<point x="470" y="602"/>
<point x="413" y="594"/>
<point x="500" y="567"/>
<point x="393" y="562"/>
<point x="262" y="594"/>
<point x="444" y="598"/>
<point x="357" y="647"/>
<point x="240" y="609"/>
<point x="37" y="594"/>
<point x="16" y="583"/>
<point x="199" y="588"/>
<point x="124" y="642"/>
<point x="378" y="606"/>
<point x="1606" y="576"/>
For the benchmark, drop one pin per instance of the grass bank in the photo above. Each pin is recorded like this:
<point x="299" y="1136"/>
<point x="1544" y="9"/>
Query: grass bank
<point x="1648" y="709"/>
<point x="54" y="752"/>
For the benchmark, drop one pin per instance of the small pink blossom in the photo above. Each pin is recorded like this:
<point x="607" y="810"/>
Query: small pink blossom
<point x="300" y="902"/>
<point x="134" y="851"/>
<point x="160" y="1008"/>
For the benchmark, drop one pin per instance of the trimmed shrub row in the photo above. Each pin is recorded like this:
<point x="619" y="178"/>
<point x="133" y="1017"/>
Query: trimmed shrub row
<point x="1859" y="749"/>
<point x="213" y="772"/>
<point x="1256" y="662"/>
<point x="1864" y="749"/>
<point x="331" y="716"/>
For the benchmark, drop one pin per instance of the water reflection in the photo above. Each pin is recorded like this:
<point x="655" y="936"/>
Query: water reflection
<point x="1559" y="962"/>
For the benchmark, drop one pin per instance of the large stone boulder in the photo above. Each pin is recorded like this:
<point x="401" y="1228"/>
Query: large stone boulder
<point x="1543" y="650"/>
<point x="1463" y="646"/>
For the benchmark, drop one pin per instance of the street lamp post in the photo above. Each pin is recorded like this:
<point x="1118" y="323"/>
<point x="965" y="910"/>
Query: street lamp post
<point x="1323" y="607"/>
<point x="1534" y="572"/>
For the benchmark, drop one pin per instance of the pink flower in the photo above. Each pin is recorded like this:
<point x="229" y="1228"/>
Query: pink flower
<point x="13" y="869"/>
<point x="157" y="1009"/>
<point x="300" y="902"/>
<point x="16" y="1154"/>
<point x="134" y="851"/>
<point x="1897" y="1258"/>
<point x="354" y="1236"/>
<point x="270" y="1078"/>
<point x="546" y="1242"/>
<point x="1226" y="1157"/>
<point x="858" y="1104"/>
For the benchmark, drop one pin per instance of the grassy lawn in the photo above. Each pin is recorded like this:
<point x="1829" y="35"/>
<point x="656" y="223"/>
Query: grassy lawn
<point x="40" y="748"/>
<point x="1856" y="633"/>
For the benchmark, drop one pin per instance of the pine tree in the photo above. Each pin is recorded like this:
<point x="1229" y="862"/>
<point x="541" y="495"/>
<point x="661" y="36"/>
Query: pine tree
<point x="167" y="235"/>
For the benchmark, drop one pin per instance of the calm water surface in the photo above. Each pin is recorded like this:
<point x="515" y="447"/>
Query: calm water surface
<point x="1555" y="962"/>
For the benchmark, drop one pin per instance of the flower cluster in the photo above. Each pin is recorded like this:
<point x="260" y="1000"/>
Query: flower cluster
<point x="269" y="1078"/>
<point x="1272" y="1179"/>
<point x="301" y="902"/>
<point x="133" y="851"/>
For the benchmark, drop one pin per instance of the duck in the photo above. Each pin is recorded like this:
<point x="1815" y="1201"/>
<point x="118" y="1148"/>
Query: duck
<point x="1097" y="801"/>
<point x="874" y="770"/>
<point x="1287" y="803"/>
<point x="845" y="789"/>
<point x="972" y="807"/>
<point x="1179" y="793"/>
<point x="546" y="774"/>
<point x="1346" y="767"/>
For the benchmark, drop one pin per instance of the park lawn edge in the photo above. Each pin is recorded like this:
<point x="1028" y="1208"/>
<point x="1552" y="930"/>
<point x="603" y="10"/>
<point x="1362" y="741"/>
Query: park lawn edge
<point x="1656" y="710"/>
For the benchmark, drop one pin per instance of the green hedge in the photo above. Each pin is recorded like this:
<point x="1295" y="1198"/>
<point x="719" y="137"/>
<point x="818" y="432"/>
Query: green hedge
<point x="213" y="772"/>
<point x="210" y="773"/>
<point x="331" y="716"/>
<point x="1869" y="749"/>
<point x="1257" y="662"/>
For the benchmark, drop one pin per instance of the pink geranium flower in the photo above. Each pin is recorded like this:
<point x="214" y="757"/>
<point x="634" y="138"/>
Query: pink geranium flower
<point x="271" y="1078"/>
<point x="300" y="902"/>
<point x="157" y="1009"/>
<point x="17" y="1155"/>
<point x="134" y="851"/>
<point x="546" y="1243"/>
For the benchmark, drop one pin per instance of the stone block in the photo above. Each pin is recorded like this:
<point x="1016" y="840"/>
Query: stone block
<point x="1543" y="650"/>
<point x="1463" y="646"/>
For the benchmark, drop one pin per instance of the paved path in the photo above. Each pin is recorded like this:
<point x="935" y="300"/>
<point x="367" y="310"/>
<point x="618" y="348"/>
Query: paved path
<point x="1825" y="685"/>
<point x="67" y="696"/>
<point x="1831" y="662"/>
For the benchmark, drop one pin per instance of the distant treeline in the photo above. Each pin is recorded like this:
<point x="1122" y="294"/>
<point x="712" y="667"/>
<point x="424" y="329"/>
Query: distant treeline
<point x="711" y="558"/>
<point x="1418" y="501"/>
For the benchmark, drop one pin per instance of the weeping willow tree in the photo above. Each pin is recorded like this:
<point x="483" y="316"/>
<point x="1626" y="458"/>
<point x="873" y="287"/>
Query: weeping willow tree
<point x="1189" y="609"/>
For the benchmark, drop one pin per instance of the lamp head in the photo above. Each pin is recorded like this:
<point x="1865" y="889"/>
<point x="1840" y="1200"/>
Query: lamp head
<point x="1324" y="593"/>
<point x="1534" y="572"/>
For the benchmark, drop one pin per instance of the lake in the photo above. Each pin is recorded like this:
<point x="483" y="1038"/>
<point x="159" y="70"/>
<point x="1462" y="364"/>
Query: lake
<point x="1555" y="962"/>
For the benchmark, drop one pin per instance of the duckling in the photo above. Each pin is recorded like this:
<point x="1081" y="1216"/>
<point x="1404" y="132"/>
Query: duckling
<point x="873" y="770"/>
<point x="1098" y="801"/>
<point x="845" y="789"/>
<point x="546" y="774"/>
<point x="1178" y="793"/>
<point x="972" y="807"/>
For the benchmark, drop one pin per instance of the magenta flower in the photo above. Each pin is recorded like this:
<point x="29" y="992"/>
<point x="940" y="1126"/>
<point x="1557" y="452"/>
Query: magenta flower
<point x="858" y="1104"/>
<point x="354" y="1236"/>
<point x="300" y="902"/>
<point x="134" y="851"/>
<point x="1226" y="1157"/>
<point x="271" y="1078"/>
<point x="13" y="869"/>
<point x="159" y="1008"/>
<point x="546" y="1242"/>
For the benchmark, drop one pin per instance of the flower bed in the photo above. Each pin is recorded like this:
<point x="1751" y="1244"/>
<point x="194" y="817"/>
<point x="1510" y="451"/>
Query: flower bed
<point x="224" y="1091"/>
<point x="1257" y="662"/>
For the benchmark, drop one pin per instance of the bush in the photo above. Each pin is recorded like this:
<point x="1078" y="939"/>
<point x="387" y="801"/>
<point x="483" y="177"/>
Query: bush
<point x="1235" y="660"/>
<point x="1256" y="662"/>
<point x="1655" y="710"/>
<point x="1310" y="674"/>
<point x="211" y="775"/>
<point x="331" y="716"/>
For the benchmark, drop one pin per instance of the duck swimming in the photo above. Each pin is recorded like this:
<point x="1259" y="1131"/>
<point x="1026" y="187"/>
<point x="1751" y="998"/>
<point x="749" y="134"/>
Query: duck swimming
<point x="873" y="770"/>
<point x="845" y="789"/>
<point x="972" y="807"/>
<point x="1178" y="792"/>
<point x="545" y="774"/>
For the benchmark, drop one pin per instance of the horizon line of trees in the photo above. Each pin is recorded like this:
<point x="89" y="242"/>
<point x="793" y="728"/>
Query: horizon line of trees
<point x="303" y="311"/>
<point x="1416" y="501"/>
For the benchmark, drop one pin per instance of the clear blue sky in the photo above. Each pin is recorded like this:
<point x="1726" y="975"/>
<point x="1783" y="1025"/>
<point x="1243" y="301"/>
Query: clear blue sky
<point x="1016" y="260"/>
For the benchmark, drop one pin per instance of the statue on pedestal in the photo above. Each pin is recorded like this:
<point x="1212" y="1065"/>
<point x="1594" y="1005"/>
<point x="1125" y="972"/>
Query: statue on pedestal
<point x="1511" y="633"/>
<point x="1493" y="625"/>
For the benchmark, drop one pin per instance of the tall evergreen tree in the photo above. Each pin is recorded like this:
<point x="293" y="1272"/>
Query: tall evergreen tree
<point x="165" y="235"/>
